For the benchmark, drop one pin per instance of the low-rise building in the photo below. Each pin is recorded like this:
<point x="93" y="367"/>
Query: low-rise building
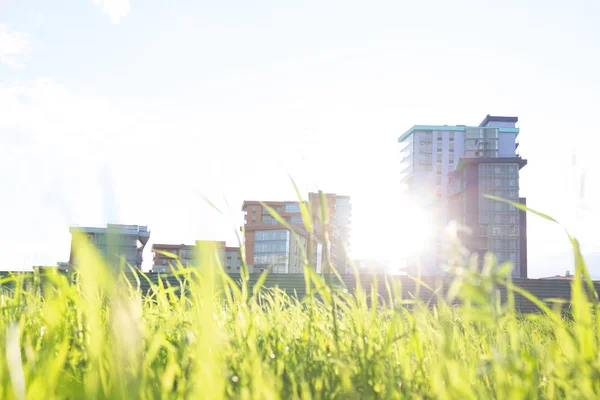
<point x="166" y="256"/>
<point x="117" y="244"/>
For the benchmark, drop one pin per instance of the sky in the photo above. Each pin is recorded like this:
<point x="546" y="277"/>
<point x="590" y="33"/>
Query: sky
<point x="136" y="112"/>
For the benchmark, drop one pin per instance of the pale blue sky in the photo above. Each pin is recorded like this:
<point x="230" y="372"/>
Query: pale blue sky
<point x="118" y="111"/>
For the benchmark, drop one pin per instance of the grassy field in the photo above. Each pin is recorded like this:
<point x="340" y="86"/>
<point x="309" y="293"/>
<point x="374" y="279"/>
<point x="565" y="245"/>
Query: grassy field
<point x="210" y="337"/>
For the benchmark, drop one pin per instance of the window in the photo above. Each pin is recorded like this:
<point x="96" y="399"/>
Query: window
<point x="483" y="229"/>
<point x="254" y="218"/>
<point x="439" y="146"/>
<point x="425" y="159"/>
<point x="451" y="158"/>
<point x="425" y="136"/>
<point x="253" y="208"/>
<point x="451" y="147"/>
<point x="268" y="220"/>
<point x="439" y="158"/>
<point x="451" y="137"/>
<point x="292" y="208"/>
<point x="439" y="138"/>
<point x="164" y="262"/>
<point x="228" y="267"/>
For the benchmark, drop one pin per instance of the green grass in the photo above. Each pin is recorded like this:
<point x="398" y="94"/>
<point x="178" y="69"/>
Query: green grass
<point x="211" y="337"/>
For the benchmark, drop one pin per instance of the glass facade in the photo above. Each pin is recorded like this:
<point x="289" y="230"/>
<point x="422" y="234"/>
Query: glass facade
<point x="481" y="142"/>
<point x="272" y="248"/>
<point x="292" y="208"/>
<point x="499" y="222"/>
<point x="268" y="220"/>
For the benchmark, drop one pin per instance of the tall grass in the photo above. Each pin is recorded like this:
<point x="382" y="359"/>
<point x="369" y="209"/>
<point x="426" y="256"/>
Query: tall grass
<point x="100" y="337"/>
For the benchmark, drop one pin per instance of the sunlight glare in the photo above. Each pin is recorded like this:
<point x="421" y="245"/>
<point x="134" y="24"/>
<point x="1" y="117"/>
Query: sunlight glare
<point x="394" y="233"/>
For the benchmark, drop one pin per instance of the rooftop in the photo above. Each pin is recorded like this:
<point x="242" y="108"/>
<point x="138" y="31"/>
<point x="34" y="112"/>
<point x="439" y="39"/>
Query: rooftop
<point x="172" y="246"/>
<point x="139" y="230"/>
<point x="490" y="118"/>
<point x="269" y="203"/>
<point x="462" y="128"/>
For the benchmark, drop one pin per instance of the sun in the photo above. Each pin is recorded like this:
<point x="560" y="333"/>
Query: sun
<point x="394" y="232"/>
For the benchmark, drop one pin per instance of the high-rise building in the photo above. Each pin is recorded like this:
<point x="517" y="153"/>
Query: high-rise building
<point x="339" y="215"/>
<point x="450" y="169"/>
<point x="270" y="244"/>
<point x="116" y="243"/>
<point x="188" y="255"/>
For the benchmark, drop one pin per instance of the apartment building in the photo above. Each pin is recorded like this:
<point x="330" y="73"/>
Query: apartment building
<point x="270" y="244"/>
<point x="191" y="255"/>
<point x="339" y="215"/>
<point x="116" y="243"/>
<point x="186" y="255"/>
<point x="449" y="169"/>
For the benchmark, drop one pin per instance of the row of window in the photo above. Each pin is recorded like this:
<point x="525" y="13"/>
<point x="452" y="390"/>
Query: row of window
<point x="486" y="182"/>
<point x="426" y="147"/>
<point x="270" y="258"/>
<point x="498" y="218"/>
<point x="481" y="133"/>
<point x="428" y="136"/>
<point x="500" y="244"/>
<point x="499" y="230"/>
<point x="239" y="264"/>
<point x="498" y="169"/>
<point x="289" y="208"/>
<point x="115" y="240"/>
<point x="479" y="144"/>
<point x="276" y="246"/>
<point x="489" y="205"/>
<point x="279" y="234"/>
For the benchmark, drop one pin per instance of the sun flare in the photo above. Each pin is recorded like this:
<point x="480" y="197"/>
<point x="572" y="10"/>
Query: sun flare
<point x="394" y="234"/>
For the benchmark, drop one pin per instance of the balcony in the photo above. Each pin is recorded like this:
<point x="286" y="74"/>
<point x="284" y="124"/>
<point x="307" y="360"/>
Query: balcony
<point x="405" y="156"/>
<point x="407" y="168"/>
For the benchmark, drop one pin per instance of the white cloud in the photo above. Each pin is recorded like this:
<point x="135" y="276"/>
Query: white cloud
<point x="13" y="46"/>
<point x="115" y="9"/>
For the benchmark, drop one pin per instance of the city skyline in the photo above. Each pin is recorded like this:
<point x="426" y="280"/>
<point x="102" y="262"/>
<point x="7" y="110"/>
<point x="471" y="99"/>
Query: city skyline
<point x="139" y="113"/>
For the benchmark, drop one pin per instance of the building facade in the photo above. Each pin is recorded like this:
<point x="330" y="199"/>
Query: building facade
<point x="339" y="215"/>
<point x="495" y="226"/>
<point x="190" y="255"/>
<point x="450" y="169"/>
<point x="270" y="244"/>
<point x="163" y="263"/>
<point x="117" y="244"/>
